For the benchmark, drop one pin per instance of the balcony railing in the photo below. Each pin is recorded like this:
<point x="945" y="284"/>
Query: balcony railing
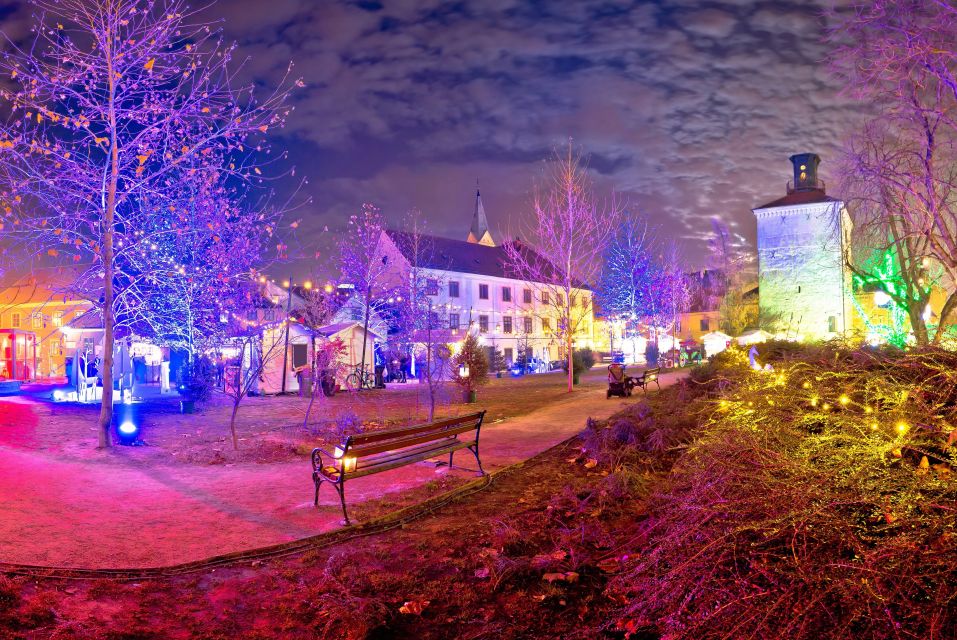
<point x="816" y="184"/>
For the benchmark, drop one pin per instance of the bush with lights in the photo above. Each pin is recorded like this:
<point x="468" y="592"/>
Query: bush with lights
<point x="817" y="500"/>
<point x="470" y="366"/>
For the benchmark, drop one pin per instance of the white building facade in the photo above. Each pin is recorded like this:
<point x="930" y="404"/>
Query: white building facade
<point x="803" y="242"/>
<point x="471" y="290"/>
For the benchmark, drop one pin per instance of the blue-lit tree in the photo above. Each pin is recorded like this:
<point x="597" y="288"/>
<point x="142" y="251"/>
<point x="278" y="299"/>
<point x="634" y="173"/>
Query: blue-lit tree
<point x="627" y="289"/>
<point x="114" y="106"/>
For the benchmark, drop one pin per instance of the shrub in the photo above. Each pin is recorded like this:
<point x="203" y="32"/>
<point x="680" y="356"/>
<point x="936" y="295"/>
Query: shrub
<point x="474" y="357"/>
<point x="810" y="505"/>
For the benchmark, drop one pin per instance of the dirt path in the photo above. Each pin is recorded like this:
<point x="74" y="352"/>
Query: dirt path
<point x="54" y="511"/>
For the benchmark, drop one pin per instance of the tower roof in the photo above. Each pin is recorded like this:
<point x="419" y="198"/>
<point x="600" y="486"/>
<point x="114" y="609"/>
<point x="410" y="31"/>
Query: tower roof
<point x="479" y="234"/>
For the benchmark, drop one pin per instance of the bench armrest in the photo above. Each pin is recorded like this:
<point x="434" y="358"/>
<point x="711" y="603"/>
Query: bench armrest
<point x="317" y="454"/>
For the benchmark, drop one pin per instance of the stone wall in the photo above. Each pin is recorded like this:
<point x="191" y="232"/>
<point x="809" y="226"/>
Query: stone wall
<point x="803" y="281"/>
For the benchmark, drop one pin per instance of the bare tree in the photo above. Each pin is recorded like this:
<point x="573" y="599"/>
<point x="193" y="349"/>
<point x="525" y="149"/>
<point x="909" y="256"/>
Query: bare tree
<point x="570" y="229"/>
<point x="729" y="265"/>
<point x="900" y="169"/>
<point x="421" y="323"/>
<point x="110" y="108"/>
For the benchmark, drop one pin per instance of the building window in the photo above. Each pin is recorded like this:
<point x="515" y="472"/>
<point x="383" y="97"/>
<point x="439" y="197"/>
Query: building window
<point x="506" y="294"/>
<point x="544" y="297"/>
<point x="832" y="324"/>
<point x="431" y="287"/>
<point x="483" y="324"/>
<point x="300" y="355"/>
<point x="57" y="318"/>
<point x="433" y="320"/>
<point x="528" y="325"/>
<point x="483" y="292"/>
<point x="560" y="299"/>
<point x="546" y="325"/>
<point x="705" y="324"/>
<point x="453" y="289"/>
<point x="507" y="324"/>
<point x="572" y="299"/>
<point x="509" y="357"/>
<point x="15" y="320"/>
<point x="37" y="319"/>
<point x="527" y="296"/>
<point x="454" y="321"/>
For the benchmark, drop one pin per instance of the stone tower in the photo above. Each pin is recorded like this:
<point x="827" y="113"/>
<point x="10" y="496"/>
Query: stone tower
<point x="802" y="242"/>
<point x="479" y="234"/>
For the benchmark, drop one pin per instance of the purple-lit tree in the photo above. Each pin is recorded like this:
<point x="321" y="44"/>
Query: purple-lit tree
<point x="364" y="265"/>
<point x="113" y="106"/>
<point x="900" y="168"/>
<point x="570" y="228"/>
<point x="421" y="323"/>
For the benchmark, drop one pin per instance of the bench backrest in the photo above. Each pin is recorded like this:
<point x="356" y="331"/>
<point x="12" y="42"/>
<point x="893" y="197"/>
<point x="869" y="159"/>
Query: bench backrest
<point x="367" y="444"/>
<point x="650" y="374"/>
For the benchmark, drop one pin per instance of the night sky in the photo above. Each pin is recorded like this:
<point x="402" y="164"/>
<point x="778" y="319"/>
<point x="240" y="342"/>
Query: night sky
<point x="689" y="109"/>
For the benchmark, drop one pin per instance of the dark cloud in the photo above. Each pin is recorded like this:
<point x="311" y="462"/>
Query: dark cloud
<point x="688" y="108"/>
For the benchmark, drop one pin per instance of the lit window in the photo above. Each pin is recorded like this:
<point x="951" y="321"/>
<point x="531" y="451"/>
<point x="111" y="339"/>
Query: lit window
<point x="507" y="324"/>
<point x="483" y="324"/>
<point x="528" y="325"/>
<point x="37" y="320"/>
<point x="546" y="325"/>
<point x="57" y="318"/>
<point x="15" y="320"/>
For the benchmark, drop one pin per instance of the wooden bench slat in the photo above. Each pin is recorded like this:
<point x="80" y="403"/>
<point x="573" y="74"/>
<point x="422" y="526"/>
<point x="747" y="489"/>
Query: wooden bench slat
<point x="399" y="432"/>
<point x="389" y="456"/>
<point x="390" y="445"/>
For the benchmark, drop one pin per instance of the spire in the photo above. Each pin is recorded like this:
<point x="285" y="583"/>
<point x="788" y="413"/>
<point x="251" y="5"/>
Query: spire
<point x="479" y="234"/>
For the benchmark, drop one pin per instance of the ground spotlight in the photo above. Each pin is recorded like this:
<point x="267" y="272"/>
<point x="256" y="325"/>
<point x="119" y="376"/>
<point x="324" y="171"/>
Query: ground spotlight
<point x="59" y="395"/>
<point x="128" y="425"/>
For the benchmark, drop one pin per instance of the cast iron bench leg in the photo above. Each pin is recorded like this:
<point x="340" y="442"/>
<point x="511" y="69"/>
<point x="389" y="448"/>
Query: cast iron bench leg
<point x="450" y="459"/>
<point x="475" y="453"/>
<point x="341" y="488"/>
<point x="316" y="481"/>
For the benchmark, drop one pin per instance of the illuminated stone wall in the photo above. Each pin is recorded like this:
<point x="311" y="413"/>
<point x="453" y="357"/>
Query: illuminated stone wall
<point x="804" y="286"/>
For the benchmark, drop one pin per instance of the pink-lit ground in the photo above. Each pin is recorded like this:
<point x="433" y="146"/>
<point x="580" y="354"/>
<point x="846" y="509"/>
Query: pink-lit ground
<point x="118" y="511"/>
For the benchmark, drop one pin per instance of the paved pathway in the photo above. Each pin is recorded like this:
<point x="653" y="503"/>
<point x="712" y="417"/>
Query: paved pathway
<point x="54" y="511"/>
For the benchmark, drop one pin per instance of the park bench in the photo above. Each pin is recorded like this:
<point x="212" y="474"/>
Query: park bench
<point x="368" y="453"/>
<point x="646" y="378"/>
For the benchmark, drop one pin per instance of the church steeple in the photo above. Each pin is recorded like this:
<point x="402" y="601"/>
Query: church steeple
<point x="479" y="234"/>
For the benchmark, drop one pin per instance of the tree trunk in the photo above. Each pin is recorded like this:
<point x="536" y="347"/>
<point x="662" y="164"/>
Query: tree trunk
<point x="571" y="360"/>
<point x="106" y="403"/>
<point x="232" y="425"/>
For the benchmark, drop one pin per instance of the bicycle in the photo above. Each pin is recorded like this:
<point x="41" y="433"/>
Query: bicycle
<point x="360" y="379"/>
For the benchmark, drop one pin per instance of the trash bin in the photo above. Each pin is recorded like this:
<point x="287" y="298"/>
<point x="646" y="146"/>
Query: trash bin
<point x="305" y="383"/>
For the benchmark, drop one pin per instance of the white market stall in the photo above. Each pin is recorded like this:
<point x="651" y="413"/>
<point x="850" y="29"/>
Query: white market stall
<point x="715" y="342"/>
<point x="754" y="336"/>
<point x="298" y="356"/>
<point x="352" y="336"/>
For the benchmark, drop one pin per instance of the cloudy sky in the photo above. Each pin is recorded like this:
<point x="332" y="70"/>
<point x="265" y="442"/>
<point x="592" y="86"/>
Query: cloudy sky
<point x="689" y="109"/>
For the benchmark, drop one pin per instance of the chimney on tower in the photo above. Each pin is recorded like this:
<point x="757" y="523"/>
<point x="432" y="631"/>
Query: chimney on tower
<point x="805" y="173"/>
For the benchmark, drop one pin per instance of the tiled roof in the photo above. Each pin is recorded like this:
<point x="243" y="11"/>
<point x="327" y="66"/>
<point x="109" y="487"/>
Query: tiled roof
<point x="447" y="254"/>
<point x="811" y="196"/>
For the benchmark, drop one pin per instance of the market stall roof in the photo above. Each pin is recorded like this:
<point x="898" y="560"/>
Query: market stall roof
<point x="339" y="327"/>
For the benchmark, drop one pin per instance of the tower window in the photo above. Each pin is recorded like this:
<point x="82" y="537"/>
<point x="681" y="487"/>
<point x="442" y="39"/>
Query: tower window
<point x="832" y="324"/>
<point x="799" y="288"/>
